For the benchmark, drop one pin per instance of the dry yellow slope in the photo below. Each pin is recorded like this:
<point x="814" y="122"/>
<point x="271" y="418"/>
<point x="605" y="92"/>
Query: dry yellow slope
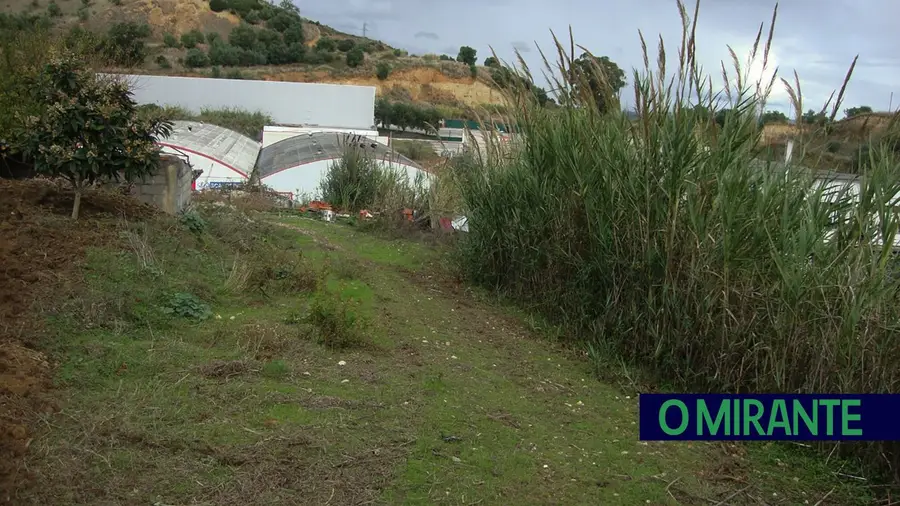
<point x="419" y="83"/>
<point x="173" y="16"/>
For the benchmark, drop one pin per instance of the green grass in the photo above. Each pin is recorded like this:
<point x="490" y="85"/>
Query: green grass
<point x="454" y="401"/>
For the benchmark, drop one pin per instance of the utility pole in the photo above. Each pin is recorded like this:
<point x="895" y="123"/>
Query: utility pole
<point x="364" y="30"/>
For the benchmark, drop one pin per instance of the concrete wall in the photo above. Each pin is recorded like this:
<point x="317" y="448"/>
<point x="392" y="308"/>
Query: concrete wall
<point x="169" y="189"/>
<point x="306" y="104"/>
<point x="273" y="134"/>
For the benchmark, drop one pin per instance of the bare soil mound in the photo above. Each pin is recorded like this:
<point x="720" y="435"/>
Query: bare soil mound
<point x="40" y="249"/>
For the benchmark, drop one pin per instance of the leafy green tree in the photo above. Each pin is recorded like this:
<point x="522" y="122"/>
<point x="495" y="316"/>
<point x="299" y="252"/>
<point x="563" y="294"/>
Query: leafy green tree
<point x="382" y="70"/>
<point x="770" y="117"/>
<point x="289" y="6"/>
<point x="467" y="55"/>
<point x="383" y="112"/>
<point x="163" y="62"/>
<point x="355" y="57"/>
<point x="89" y="129"/>
<point x="218" y="5"/>
<point x="196" y="58"/>
<point x="212" y="37"/>
<point x="722" y="116"/>
<point x="125" y="42"/>
<point x="856" y="111"/>
<point x="445" y="57"/>
<point x="282" y="20"/>
<point x="490" y="61"/>
<point x="597" y="79"/>
<point x="812" y="117"/>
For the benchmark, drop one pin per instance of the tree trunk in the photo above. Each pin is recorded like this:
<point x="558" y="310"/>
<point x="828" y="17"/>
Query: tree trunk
<point x="77" y="206"/>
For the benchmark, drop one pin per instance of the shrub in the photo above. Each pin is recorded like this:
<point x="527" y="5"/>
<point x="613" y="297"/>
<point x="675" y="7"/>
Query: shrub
<point x="252" y="17"/>
<point x="345" y="45"/>
<point x="117" y="3"/>
<point x="243" y="36"/>
<point x="284" y="273"/>
<point x="90" y="129"/>
<point x="83" y="13"/>
<point x="294" y="34"/>
<point x="218" y="5"/>
<point x="325" y="44"/>
<point x="212" y="37"/>
<point x="169" y="40"/>
<point x="382" y="71"/>
<point x="53" y="9"/>
<point x="445" y="57"/>
<point x="338" y="325"/>
<point x="196" y="58"/>
<point x="685" y="255"/>
<point x="192" y="221"/>
<point x="163" y="62"/>
<point x="192" y="38"/>
<point x="355" y="57"/>
<point x="186" y="305"/>
<point x="125" y="43"/>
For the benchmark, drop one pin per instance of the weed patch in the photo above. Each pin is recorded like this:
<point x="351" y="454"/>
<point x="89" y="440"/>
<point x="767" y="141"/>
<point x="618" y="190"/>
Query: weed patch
<point x="186" y="305"/>
<point x="338" y="323"/>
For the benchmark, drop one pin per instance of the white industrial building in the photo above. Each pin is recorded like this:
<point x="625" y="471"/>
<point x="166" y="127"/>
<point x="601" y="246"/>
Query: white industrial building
<point x="276" y="133"/>
<point x="225" y="156"/>
<point x="299" y="104"/>
<point x="314" y="124"/>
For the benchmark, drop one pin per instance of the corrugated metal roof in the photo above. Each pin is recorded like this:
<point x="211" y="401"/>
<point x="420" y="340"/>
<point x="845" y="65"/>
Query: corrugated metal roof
<point x="221" y="144"/>
<point x="307" y="148"/>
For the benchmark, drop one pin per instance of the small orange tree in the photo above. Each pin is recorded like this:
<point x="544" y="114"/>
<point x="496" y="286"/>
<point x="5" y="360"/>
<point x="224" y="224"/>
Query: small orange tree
<point x="89" y="128"/>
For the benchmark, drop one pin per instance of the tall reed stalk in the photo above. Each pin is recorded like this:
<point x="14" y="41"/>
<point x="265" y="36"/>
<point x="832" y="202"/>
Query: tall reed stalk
<point x="666" y="240"/>
<point x="358" y="180"/>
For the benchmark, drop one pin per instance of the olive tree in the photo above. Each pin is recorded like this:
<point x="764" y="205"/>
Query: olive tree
<point x="89" y="128"/>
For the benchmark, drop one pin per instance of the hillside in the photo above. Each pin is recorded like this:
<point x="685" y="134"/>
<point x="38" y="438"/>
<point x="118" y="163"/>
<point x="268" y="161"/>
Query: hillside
<point x="836" y="148"/>
<point x="255" y="39"/>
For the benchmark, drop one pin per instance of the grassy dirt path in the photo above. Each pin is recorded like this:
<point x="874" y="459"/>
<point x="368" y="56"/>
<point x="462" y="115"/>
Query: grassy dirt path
<point x="451" y="399"/>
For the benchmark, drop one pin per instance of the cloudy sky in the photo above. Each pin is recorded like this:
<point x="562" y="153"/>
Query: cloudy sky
<point x="817" y="38"/>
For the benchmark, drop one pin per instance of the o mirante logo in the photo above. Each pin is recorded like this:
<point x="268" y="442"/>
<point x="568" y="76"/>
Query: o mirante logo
<point x="769" y="417"/>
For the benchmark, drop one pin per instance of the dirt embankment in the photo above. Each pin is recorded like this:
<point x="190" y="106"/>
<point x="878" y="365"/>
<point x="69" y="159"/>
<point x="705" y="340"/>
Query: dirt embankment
<point x="418" y="83"/>
<point x="40" y="251"/>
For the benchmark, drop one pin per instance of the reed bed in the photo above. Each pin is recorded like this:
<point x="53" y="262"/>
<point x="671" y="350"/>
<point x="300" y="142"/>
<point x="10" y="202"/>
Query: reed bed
<point x="665" y="240"/>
